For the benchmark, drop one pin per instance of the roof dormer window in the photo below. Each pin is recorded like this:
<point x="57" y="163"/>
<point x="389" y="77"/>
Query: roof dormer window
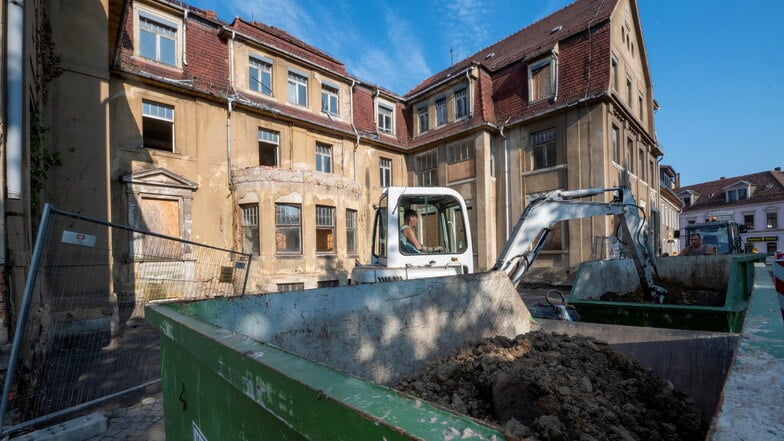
<point x="737" y="194"/>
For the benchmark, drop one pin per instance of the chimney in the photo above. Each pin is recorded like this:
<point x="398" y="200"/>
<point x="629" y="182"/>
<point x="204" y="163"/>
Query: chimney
<point x="778" y="169"/>
<point x="721" y="178"/>
<point x="211" y="14"/>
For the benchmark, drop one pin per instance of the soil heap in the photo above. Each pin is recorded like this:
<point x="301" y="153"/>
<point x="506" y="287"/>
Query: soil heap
<point x="545" y="386"/>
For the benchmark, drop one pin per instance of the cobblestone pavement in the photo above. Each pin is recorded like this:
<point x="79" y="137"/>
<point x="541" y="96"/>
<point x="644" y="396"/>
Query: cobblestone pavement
<point x="142" y="421"/>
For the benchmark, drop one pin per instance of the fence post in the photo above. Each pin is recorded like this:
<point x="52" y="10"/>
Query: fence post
<point x="32" y="273"/>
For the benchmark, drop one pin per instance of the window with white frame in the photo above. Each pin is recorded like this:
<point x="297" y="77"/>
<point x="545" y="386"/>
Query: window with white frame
<point x="422" y="118"/>
<point x="323" y="157"/>
<point x="158" y="126"/>
<point x="325" y="229"/>
<point x="385" y="119"/>
<point x="157" y="38"/>
<point x="298" y="89"/>
<point x="260" y="75"/>
<point x="426" y="168"/>
<point x="461" y="103"/>
<point x="541" y="79"/>
<point x="385" y="171"/>
<point x="771" y="220"/>
<point x="288" y="228"/>
<point x="250" y="228"/>
<point x="460" y="151"/>
<point x="543" y="149"/>
<point x="269" y="148"/>
<point x="329" y="98"/>
<point x="351" y="231"/>
<point x="737" y="194"/>
<point x="441" y="111"/>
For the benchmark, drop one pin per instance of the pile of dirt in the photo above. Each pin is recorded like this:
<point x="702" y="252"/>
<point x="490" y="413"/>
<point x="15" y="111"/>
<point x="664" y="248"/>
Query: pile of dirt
<point x="677" y="294"/>
<point x="544" y="386"/>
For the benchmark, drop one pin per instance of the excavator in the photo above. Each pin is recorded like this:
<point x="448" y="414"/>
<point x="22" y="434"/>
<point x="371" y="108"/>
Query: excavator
<point x="444" y="222"/>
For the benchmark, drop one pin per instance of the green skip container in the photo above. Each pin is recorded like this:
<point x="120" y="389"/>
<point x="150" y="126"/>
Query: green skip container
<point x="723" y="283"/>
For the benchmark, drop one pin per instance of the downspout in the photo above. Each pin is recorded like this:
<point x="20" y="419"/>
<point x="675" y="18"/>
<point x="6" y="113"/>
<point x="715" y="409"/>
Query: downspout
<point x="354" y="127"/>
<point x="555" y="76"/>
<point x="471" y="95"/>
<point x="184" y="37"/>
<point x="506" y="180"/>
<point x="229" y="102"/>
<point x="15" y="101"/>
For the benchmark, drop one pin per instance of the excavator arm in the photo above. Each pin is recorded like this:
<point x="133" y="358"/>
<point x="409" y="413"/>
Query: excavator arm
<point x="541" y="216"/>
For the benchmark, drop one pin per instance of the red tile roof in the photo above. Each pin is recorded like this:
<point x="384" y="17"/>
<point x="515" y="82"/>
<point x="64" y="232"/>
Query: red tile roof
<point x="768" y="186"/>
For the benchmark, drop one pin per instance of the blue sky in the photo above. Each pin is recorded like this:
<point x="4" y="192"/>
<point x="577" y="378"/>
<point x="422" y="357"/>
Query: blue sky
<point x="717" y="66"/>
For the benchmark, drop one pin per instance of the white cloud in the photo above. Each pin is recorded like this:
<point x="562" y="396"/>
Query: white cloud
<point x="465" y="27"/>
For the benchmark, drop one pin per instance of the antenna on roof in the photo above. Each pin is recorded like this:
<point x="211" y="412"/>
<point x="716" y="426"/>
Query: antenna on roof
<point x="451" y="56"/>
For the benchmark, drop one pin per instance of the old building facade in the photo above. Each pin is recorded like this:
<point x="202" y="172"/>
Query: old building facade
<point x="238" y="135"/>
<point x="755" y="201"/>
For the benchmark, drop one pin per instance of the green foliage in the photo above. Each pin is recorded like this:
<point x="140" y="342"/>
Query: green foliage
<point x="41" y="159"/>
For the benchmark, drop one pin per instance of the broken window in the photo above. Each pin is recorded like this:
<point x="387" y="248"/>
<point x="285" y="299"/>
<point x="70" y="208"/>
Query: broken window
<point x="158" y="126"/>
<point x="250" y="228"/>
<point x="423" y="120"/>
<point x="323" y="158"/>
<point x="269" y="143"/>
<point x="461" y="103"/>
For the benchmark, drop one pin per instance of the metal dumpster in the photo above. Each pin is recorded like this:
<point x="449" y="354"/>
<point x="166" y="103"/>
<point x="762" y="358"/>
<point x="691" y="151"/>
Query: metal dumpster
<point x="728" y="276"/>
<point x="317" y="364"/>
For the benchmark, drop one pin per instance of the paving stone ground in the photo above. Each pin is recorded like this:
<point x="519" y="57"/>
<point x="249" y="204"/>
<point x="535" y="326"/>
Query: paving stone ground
<point x="142" y="421"/>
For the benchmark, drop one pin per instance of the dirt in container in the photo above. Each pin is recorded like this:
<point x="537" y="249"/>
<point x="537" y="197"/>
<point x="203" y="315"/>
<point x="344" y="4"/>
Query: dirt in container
<point x="677" y="294"/>
<point x="553" y="387"/>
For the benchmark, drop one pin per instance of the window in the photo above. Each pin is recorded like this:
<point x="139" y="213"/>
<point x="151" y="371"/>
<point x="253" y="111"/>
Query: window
<point x="269" y="143"/>
<point x="351" y="231"/>
<point x="385" y="118"/>
<point x="614" y="71"/>
<point x="323" y="158"/>
<point x="422" y="114"/>
<point x="250" y="228"/>
<point x="461" y="151"/>
<point x="385" y="171"/>
<point x="260" y="75"/>
<point x="640" y="106"/>
<point x="328" y="283"/>
<point x="158" y="126"/>
<point x="298" y="89"/>
<point x="157" y="39"/>
<point x="441" y="111"/>
<point x="748" y="219"/>
<point x="426" y="168"/>
<point x="737" y="194"/>
<point x="772" y="247"/>
<point x="285" y="287"/>
<point x="325" y="229"/>
<point x="629" y="155"/>
<point x="616" y="152"/>
<point x="629" y="91"/>
<point x="771" y="221"/>
<point x="641" y="163"/>
<point x="329" y="99"/>
<point x="687" y="201"/>
<point x="543" y="148"/>
<point x="288" y="229"/>
<point x="541" y="82"/>
<point x="461" y="103"/>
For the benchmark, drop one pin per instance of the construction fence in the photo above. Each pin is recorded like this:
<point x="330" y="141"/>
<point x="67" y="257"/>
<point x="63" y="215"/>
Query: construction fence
<point x="81" y="338"/>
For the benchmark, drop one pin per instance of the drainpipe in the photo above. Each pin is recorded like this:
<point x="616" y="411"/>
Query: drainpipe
<point x="555" y="76"/>
<point x="506" y="180"/>
<point x="228" y="144"/>
<point x="15" y="100"/>
<point x="356" y="132"/>
<point x="231" y="62"/>
<point x="470" y="94"/>
<point x="184" y="37"/>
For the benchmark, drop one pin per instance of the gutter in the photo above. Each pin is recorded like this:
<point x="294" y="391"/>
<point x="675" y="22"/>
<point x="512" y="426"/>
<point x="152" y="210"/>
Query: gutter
<point x="15" y="101"/>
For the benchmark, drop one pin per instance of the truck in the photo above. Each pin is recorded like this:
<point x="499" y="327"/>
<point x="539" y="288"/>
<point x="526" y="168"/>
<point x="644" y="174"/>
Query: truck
<point x="724" y="235"/>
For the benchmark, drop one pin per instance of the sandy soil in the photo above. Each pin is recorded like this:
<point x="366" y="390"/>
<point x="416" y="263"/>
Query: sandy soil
<point x="544" y="386"/>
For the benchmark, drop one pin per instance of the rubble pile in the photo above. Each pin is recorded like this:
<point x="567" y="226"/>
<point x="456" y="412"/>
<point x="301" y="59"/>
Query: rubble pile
<point x="545" y="386"/>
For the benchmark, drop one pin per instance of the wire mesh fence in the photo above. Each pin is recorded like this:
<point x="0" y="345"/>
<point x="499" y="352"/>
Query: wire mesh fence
<point x="83" y="339"/>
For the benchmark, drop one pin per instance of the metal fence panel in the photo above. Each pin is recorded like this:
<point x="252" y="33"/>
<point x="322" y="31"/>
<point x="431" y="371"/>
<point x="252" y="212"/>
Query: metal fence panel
<point x="84" y="338"/>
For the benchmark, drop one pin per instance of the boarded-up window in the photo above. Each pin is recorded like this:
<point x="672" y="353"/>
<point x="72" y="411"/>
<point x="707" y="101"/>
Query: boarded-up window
<point x="325" y="229"/>
<point x="161" y="216"/>
<point x="540" y="80"/>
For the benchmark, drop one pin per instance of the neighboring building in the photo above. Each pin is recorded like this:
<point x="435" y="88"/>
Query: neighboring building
<point x="671" y="207"/>
<point x="239" y="135"/>
<point x="755" y="200"/>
